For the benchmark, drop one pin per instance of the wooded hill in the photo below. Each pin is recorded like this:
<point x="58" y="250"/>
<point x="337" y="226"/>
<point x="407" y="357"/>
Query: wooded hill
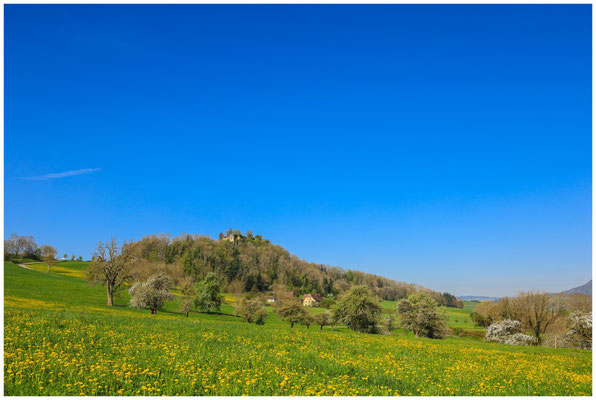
<point x="250" y="263"/>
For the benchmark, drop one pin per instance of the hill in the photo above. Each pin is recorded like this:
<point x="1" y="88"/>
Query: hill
<point x="250" y="263"/>
<point x="583" y="289"/>
<point x="57" y="344"/>
<point x="478" y="298"/>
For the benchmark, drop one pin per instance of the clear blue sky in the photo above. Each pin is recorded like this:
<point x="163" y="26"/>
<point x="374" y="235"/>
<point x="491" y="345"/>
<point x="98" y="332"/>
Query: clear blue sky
<point x="444" y="145"/>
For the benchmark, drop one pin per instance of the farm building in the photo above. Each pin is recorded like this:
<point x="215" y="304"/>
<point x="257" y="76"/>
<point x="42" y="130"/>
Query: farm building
<point x="311" y="300"/>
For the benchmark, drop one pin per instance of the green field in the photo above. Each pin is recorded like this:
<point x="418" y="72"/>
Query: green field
<point x="60" y="339"/>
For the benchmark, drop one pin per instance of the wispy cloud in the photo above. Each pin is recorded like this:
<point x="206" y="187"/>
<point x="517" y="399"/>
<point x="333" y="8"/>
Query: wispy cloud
<point x="64" y="174"/>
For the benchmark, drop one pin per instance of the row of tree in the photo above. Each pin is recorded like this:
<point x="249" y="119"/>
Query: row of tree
<point x="360" y="311"/>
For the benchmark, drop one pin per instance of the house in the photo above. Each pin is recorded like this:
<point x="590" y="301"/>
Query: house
<point x="271" y="299"/>
<point x="311" y="300"/>
<point x="232" y="237"/>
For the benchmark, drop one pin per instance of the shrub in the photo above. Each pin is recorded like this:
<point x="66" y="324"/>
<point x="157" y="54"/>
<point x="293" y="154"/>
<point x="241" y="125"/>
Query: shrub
<point x="478" y="319"/>
<point x="508" y="332"/>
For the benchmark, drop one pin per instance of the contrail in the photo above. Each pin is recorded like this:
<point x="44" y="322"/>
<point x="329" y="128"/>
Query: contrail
<point x="64" y="174"/>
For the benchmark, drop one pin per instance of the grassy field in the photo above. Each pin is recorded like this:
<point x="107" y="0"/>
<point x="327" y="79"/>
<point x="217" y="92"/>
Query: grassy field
<point x="60" y="339"/>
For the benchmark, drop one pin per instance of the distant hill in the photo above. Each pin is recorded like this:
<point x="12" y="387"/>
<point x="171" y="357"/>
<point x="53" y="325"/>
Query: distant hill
<point x="478" y="298"/>
<point x="250" y="263"/>
<point x="583" y="289"/>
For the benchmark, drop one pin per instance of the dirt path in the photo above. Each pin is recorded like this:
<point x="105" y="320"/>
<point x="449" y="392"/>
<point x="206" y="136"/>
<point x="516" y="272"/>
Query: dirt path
<point x="24" y="265"/>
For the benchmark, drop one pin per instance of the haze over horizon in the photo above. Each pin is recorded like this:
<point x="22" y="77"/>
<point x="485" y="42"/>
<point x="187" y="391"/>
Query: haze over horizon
<point x="448" y="146"/>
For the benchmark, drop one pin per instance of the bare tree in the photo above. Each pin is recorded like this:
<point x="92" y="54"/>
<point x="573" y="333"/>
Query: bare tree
<point x="48" y="254"/>
<point x="9" y="247"/>
<point x="111" y="267"/>
<point x="26" y="245"/>
<point x="538" y="310"/>
<point x="18" y="244"/>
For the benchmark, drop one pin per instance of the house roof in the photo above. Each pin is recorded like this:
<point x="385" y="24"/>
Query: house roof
<point x="315" y="297"/>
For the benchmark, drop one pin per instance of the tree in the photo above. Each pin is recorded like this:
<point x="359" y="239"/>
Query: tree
<point x="80" y="258"/>
<point x="580" y="329"/>
<point x="65" y="256"/>
<point x="111" y="267"/>
<point x="538" y="310"/>
<point x="10" y="245"/>
<point x="508" y="332"/>
<point x="358" y="309"/>
<point x="48" y="254"/>
<point x="72" y="258"/>
<point x="322" y="319"/>
<point x="152" y="293"/>
<point x="292" y="312"/>
<point x="251" y="311"/>
<point x="308" y="320"/>
<point x="188" y="294"/>
<point x="208" y="294"/>
<point x="419" y="313"/>
<point x="20" y="245"/>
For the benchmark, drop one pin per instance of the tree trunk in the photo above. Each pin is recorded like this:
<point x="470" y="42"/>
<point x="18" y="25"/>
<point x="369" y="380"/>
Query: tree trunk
<point x="109" y="294"/>
<point x="153" y="311"/>
<point x="321" y="327"/>
<point x="291" y="324"/>
<point x="187" y="314"/>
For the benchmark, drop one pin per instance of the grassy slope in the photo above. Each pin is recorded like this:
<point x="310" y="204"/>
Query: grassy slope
<point x="60" y="338"/>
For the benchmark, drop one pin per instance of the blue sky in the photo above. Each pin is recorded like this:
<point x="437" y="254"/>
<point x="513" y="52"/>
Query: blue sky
<point x="444" y="145"/>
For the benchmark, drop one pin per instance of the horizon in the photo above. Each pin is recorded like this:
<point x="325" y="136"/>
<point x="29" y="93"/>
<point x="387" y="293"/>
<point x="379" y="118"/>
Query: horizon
<point x="448" y="146"/>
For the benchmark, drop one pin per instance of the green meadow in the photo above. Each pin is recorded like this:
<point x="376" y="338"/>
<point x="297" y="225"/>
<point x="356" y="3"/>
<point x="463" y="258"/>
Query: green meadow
<point x="61" y="339"/>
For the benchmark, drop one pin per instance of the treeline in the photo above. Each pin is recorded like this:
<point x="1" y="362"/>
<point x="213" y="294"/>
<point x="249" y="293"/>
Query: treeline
<point x="21" y="247"/>
<point x="250" y="263"/>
